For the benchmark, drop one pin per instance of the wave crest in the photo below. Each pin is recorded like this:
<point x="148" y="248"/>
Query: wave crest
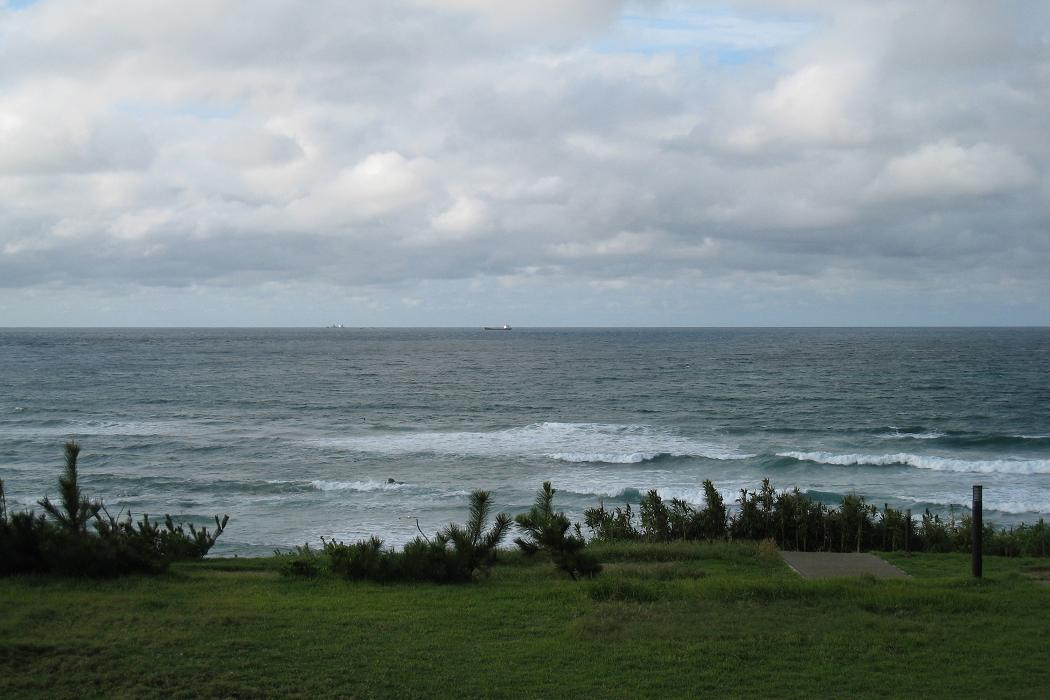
<point x="925" y="435"/>
<point x="936" y="463"/>
<point x="327" y="485"/>
<point x="565" y="442"/>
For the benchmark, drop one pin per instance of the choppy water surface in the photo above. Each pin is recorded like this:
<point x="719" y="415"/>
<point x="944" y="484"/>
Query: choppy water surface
<point x="295" y="433"/>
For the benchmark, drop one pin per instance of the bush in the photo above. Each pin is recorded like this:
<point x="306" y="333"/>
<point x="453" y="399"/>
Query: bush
<point x="680" y="521"/>
<point x="469" y="548"/>
<point x="64" y="545"/>
<point x="456" y="554"/>
<point x="22" y="538"/>
<point x="713" y="521"/>
<point x="362" y="560"/>
<point x="301" y="561"/>
<point x="611" y="526"/>
<point x="656" y="519"/>
<point x="791" y="520"/>
<point x="548" y="531"/>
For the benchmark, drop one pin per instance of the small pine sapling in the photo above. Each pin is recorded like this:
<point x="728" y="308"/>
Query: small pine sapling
<point x="473" y="548"/>
<point x="74" y="510"/>
<point x="546" y="530"/>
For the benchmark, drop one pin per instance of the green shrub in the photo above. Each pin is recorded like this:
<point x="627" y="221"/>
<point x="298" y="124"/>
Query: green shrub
<point x="680" y="521"/>
<point x="611" y="526"/>
<point x="543" y="529"/>
<point x="362" y="560"/>
<point x="1020" y="541"/>
<point x="792" y="520"/>
<point x="22" y="538"/>
<point x="456" y="554"/>
<point x="301" y="562"/>
<point x="469" y="547"/>
<point x="65" y="546"/>
<point x="74" y="511"/>
<point x="656" y="519"/>
<point x="713" y="520"/>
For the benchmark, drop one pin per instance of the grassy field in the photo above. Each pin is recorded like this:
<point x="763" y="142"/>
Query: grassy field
<point x="682" y="620"/>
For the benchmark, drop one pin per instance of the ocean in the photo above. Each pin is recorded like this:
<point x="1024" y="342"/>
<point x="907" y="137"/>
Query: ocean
<point x="303" y="433"/>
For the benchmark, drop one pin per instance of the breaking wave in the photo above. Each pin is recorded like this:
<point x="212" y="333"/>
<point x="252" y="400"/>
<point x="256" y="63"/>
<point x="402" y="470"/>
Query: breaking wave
<point x="906" y="435"/>
<point x="936" y="463"/>
<point x="563" y="442"/>
<point x="326" y="485"/>
<point x="965" y="439"/>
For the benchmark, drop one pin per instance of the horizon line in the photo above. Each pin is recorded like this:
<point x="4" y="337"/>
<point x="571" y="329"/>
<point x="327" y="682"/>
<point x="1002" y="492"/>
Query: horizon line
<point x="538" y="327"/>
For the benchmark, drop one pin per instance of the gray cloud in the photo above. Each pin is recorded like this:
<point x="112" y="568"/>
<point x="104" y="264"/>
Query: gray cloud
<point x="435" y="160"/>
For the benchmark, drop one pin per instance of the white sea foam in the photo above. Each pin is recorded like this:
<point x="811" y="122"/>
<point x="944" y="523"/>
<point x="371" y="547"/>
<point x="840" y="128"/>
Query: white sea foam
<point x="932" y="435"/>
<point x="326" y="485"/>
<point x="1018" y="507"/>
<point x="131" y="428"/>
<point x="950" y="464"/>
<point x="1012" y="496"/>
<point x="565" y="442"/>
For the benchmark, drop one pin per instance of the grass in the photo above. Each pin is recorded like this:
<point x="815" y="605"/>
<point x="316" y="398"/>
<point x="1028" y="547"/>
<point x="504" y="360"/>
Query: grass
<point x="680" y="620"/>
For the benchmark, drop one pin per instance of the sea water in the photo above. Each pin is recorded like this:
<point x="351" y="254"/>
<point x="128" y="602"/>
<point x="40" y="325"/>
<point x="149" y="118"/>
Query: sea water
<point x="344" y="433"/>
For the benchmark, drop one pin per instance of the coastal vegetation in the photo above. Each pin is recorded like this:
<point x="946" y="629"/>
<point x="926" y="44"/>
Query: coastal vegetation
<point x="544" y="530"/>
<point x="788" y="520"/>
<point x="456" y="554"/>
<point x="77" y="536"/>
<point x="795" y="521"/>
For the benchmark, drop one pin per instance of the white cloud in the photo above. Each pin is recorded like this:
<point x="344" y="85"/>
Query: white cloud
<point x="391" y="148"/>
<point x="554" y="16"/>
<point x="383" y="182"/>
<point x="465" y="216"/>
<point x="947" y="169"/>
<point x="817" y="104"/>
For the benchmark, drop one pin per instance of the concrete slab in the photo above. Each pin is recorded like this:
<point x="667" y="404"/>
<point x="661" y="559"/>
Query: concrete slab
<point x="818" y="565"/>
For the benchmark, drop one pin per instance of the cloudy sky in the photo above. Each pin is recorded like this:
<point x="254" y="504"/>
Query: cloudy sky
<point x="549" y="162"/>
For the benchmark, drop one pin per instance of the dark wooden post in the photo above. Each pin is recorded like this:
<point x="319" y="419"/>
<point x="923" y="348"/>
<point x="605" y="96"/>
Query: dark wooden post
<point x="885" y="525"/>
<point x="907" y="532"/>
<point x="978" y="529"/>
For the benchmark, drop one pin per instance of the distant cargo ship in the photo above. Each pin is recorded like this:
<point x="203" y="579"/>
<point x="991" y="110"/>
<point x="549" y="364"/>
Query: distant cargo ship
<point x="504" y="327"/>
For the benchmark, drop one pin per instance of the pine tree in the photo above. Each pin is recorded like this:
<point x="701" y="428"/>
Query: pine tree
<point x="74" y="511"/>
<point x="546" y="530"/>
<point x="473" y="547"/>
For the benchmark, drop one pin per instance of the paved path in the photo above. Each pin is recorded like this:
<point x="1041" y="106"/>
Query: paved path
<point x="829" y="565"/>
<point x="1041" y="576"/>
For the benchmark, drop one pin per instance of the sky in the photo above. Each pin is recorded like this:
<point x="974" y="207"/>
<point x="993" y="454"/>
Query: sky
<point x="541" y="163"/>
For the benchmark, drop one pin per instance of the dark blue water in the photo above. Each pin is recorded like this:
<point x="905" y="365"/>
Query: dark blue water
<point x="295" y="433"/>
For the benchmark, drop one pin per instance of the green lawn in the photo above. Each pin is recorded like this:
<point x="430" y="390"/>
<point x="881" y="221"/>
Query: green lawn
<point x="682" y="620"/>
